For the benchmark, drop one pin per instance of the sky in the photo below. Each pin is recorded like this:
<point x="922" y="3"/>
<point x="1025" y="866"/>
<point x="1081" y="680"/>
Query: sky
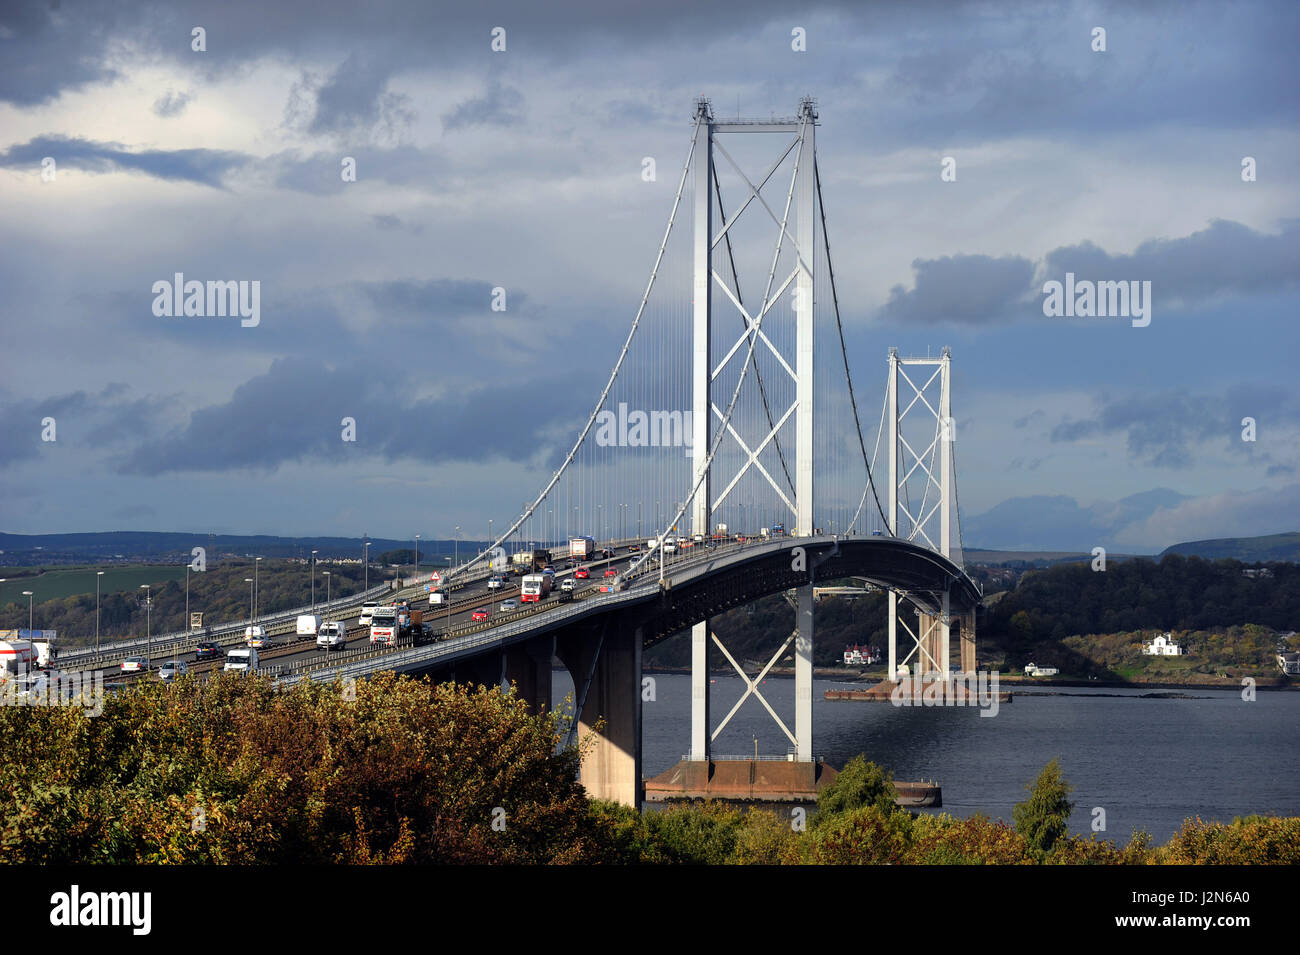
<point x="521" y="168"/>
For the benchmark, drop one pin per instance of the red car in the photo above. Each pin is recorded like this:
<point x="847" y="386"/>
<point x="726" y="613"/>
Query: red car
<point x="482" y="613"/>
<point x="581" y="573"/>
<point x="611" y="572"/>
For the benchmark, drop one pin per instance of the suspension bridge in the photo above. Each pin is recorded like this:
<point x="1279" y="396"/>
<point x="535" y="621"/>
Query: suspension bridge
<point x="729" y="434"/>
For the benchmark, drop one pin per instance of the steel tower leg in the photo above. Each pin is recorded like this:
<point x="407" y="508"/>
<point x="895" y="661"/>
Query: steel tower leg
<point x="805" y="234"/>
<point x="892" y="398"/>
<point x="701" y="415"/>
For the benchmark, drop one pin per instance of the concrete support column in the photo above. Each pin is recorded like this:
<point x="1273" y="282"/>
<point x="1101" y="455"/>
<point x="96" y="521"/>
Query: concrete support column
<point x="803" y="677"/>
<point x="968" y="642"/>
<point x="945" y="638"/>
<point x="528" y="666"/>
<point x="610" y="672"/>
<point x="700" y="691"/>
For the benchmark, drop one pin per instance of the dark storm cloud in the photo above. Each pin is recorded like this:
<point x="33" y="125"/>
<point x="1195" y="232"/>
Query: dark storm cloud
<point x="295" y="412"/>
<point x="207" y="167"/>
<point x="952" y="69"/>
<point x="965" y="289"/>
<point x="1224" y="258"/>
<point x="356" y="98"/>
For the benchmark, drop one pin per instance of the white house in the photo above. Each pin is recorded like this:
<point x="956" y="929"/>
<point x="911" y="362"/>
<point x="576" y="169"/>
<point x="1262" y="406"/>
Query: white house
<point x="1163" y="646"/>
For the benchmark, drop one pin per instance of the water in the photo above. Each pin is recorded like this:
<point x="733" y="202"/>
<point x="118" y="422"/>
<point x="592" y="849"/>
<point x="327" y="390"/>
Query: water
<point x="1149" y="763"/>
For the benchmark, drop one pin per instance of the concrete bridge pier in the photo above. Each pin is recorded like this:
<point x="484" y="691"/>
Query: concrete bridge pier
<point x="528" y="666"/>
<point x="968" y="642"/>
<point x="607" y="681"/>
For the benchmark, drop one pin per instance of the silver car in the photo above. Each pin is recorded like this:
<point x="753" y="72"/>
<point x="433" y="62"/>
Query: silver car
<point x="510" y="604"/>
<point x="172" y="669"/>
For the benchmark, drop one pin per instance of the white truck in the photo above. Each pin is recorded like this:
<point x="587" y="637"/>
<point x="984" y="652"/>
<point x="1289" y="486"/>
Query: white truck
<point x="44" y="653"/>
<point x="384" y="626"/>
<point x="16" y="656"/>
<point x="536" y="587"/>
<point x="582" y="548"/>
<point x="308" y="624"/>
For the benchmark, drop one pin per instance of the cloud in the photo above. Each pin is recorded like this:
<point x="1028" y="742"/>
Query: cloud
<point x="1163" y="429"/>
<point x="499" y="106"/>
<point x="295" y="412"/>
<point x="355" y="99"/>
<point x="966" y="289"/>
<point x="171" y="103"/>
<point x="206" y="167"/>
<point x="81" y="420"/>
<point x="1223" y="259"/>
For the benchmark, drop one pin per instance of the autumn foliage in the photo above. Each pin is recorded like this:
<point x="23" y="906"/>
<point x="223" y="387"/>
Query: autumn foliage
<point x="234" y="771"/>
<point x="399" y="770"/>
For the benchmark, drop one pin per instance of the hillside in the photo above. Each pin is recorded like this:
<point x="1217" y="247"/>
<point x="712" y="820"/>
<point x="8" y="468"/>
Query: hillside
<point x="18" y="550"/>
<point x="1248" y="549"/>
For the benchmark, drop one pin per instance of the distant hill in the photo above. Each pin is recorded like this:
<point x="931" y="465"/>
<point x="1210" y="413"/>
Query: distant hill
<point x="1056" y="523"/>
<point x="46" y="549"/>
<point x="1032" y="558"/>
<point x="1247" y="549"/>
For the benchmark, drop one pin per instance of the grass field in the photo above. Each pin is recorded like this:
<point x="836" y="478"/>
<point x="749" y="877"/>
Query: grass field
<point x="57" y="584"/>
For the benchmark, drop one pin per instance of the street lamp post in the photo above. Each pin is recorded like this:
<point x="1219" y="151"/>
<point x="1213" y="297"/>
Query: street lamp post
<point x="365" y="553"/>
<point x="313" y="581"/>
<point x="256" y="562"/>
<point x="29" y="595"/>
<point x="446" y="597"/>
<point x="98" y="574"/>
<point x="148" y="620"/>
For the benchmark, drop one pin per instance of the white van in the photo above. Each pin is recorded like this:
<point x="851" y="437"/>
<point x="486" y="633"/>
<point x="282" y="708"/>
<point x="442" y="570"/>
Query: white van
<point x="332" y="635"/>
<point x="367" y="612"/>
<point x="241" y="660"/>
<point x="255" y="636"/>
<point x="308" y="624"/>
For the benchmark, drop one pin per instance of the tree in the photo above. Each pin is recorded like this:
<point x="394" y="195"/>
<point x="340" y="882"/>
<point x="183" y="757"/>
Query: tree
<point x="1044" y="818"/>
<point x="859" y="783"/>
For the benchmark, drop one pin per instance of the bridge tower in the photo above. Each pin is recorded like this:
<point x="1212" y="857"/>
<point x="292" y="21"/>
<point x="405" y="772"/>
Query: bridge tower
<point x="710" y="291"/>
<point x="920" y="413"/>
